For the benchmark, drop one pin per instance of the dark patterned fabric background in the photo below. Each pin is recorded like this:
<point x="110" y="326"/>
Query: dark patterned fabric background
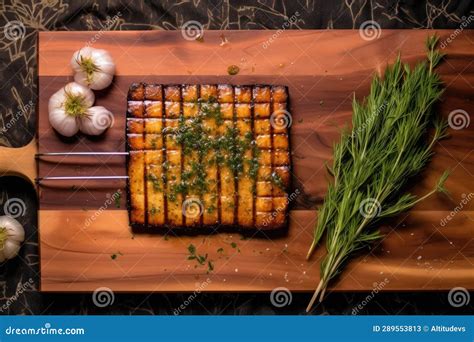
<point x="18" y="76"/>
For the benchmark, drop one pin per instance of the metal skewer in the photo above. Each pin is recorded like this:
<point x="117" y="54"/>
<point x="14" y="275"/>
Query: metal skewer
<point x="82" y="154"/>
<point x="46" y="154"/>
<point x="79" y="177"/>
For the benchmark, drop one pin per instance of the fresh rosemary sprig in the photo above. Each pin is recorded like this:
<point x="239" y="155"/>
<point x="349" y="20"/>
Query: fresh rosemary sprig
<point x="388" y="145"/>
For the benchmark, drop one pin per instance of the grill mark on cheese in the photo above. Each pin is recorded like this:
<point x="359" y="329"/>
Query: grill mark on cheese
<point x="165" y="159"/>
<point x="209" y="199"/>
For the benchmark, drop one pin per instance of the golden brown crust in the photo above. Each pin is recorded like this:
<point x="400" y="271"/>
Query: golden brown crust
<point x="243" y="94"/>
<point x="190" y="93"/>
<point x="135" y="126"/>
<point x="136" y="109"/>
<point x="136" y="92"/>
<point x="153" y="109"/>
<point x="261" y="94"/>
<point x="172" y="93"/>
<point x="153" y="92"/>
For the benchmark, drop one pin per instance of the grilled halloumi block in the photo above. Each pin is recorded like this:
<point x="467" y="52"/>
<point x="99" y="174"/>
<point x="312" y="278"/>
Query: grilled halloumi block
<point x="208" y="156"/>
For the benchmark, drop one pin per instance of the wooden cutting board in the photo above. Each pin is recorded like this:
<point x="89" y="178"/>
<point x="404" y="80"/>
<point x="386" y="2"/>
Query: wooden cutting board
<point x="85" y="240"/>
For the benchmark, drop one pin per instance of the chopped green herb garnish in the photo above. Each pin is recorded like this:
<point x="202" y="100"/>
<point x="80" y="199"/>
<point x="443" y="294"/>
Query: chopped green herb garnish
<point x="276" y="179"/>
<point x="115" y="255"/>
<point x="233" y="69"/>
<point x="117" y="199"/>
<point x="154" y="210"/>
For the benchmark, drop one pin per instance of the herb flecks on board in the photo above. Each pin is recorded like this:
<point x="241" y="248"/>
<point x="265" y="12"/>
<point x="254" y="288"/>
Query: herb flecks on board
<point x="200" y="259"/>
<point x="389" y="144"/>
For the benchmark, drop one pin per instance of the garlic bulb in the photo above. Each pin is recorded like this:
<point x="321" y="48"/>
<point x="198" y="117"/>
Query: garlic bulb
<point x="68" y="106"/>
<point x="93" y="68"/>
<point x="11" y="235"/>
<point x="96" y="121"/>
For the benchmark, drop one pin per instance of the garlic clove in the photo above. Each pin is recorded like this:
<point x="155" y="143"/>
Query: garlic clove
<point x="10" y="249"/>
<point x="11" y="236"/>
<point x="67" y="106"/>
<point x="97" y="120"/>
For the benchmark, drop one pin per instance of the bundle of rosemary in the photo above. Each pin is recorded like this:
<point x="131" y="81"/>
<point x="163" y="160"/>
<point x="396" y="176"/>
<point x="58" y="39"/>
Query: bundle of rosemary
<point x="388" y="145"/>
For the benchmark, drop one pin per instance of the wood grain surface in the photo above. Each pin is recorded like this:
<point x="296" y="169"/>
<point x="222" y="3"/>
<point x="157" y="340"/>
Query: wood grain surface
<point x="323" y="70"/>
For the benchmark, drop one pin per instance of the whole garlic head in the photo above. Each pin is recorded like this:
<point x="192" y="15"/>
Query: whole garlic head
<point x="68" y="106"/>
<point x="93" y="68"/>
<point x="12" y="235"/>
